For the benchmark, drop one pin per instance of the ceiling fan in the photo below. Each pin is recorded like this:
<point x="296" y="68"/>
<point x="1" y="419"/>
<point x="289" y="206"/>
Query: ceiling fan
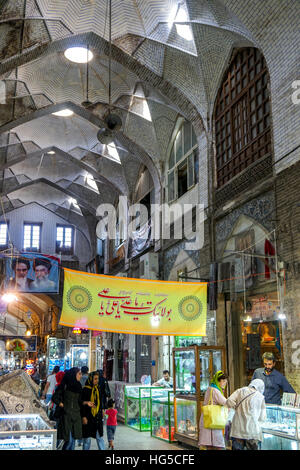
<point x="112" y="121"/>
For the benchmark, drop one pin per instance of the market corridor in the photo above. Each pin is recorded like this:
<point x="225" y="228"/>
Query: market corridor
<point x="129" y="439"/>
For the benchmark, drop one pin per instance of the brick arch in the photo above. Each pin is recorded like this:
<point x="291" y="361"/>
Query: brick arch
<point x="131" y="146"/>
<point x="172" y="93"/>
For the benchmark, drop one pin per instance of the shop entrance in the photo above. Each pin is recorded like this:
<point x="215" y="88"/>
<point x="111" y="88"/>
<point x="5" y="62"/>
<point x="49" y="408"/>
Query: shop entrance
<point x="254" y="332"/>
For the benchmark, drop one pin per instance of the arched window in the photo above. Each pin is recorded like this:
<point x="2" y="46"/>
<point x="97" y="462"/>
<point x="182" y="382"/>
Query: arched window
<point x="242" y="115"/>
<point x="183" y="162"/>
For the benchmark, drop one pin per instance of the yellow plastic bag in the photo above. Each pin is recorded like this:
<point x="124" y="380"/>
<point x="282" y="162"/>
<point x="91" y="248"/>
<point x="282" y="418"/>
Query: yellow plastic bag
<point x="214" y="416"/>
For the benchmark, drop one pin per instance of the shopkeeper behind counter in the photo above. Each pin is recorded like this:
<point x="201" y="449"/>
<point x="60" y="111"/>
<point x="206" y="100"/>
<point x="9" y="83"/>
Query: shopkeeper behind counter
<point x="166" y="381"/>
<point x="274" y="381"/>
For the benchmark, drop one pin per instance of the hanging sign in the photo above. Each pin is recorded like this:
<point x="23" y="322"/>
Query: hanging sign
<point x="133" y="306"/>
<point x="18" y="343"/>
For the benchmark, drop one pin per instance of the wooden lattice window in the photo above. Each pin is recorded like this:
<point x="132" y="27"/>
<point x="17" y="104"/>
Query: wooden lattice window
<point x="242" y="115"/>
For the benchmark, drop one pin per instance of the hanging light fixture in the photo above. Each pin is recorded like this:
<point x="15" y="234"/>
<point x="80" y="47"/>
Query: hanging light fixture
<point x="87" y="102"/>
<point x="9" y="297"/>
<point x="112" y="121"/>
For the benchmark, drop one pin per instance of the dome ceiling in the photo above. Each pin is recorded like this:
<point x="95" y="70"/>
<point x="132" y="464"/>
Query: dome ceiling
<point x="168" y="58"/>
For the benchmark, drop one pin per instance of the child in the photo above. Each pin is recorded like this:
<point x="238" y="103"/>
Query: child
<point x="111" y="423"/>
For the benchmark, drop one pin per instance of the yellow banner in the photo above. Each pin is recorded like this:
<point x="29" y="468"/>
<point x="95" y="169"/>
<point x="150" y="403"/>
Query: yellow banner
<point x="133" y="306"/>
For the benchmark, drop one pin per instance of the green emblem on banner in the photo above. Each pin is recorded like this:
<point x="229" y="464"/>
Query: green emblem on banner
<point x="79" y="298"/>
<point x="190" y="308"/>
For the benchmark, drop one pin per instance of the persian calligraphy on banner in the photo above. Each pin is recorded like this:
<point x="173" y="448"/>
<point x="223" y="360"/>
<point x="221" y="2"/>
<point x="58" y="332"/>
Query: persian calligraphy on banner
<point x="133" y="306"/>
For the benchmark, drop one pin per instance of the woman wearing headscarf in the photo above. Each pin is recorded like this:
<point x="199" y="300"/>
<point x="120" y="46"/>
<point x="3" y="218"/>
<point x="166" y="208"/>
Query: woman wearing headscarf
<point x="55" y="412"/>
<point x="92" y="418"/>
<point x="212" y="439"/>
<point x="104" y="387"/>
<point x="67" y="396"/>
<point x="250" y="413"/>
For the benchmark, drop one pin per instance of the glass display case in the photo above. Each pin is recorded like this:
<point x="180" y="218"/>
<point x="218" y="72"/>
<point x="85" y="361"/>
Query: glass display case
<point x="26" y="432"/>
<point x="194" y="368"/>
<point x="162" y="415"/>
<point x="138" y="406"/>
<point x="281" y="428"/>
<point x="186" y="417"/>
<point x="57" y="354"/>
<point x="79" y="355"/>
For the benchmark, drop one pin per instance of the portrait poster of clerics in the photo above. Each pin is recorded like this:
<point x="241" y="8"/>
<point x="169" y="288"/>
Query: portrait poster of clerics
<point x="133" y="306"/>
<point x="32" y="272"/>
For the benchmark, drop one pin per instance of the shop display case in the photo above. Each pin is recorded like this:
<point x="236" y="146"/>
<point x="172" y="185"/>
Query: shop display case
<point x="186" y="417"/>
<point x="194" y="368"/>
<point x="138" y="406"/>
<point x="162" y="415"/>
<point x="117" y="390"/>
<point x="57" y="354"/>
<point x="79" y="355"/>
<point x="26" y="432"/>
<point x="281" y="430"/>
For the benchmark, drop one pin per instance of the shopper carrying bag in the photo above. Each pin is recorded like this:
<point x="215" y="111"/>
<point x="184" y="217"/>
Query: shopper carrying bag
<point x="214" y="416"/>
<point x="211" y="438"/>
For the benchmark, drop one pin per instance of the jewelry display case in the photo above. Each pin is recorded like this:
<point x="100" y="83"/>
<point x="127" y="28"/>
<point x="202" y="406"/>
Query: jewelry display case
<point x="162" y="415"/>
<point x="138" y="406"/>
<point x="194" y="368"/>
<point x="57" y="354"/>
<point x="26" y="432"/>
<point x="281" y="430"/>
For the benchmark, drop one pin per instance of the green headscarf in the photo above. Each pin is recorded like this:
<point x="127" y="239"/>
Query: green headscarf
<point x="215" y="382"/>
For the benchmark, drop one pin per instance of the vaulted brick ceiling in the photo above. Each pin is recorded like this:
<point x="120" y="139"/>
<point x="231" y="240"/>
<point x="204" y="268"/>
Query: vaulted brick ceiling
<point x="153" y="60"/>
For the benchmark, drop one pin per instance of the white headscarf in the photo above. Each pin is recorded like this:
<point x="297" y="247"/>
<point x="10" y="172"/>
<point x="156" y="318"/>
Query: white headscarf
<point x="258" y="384"/>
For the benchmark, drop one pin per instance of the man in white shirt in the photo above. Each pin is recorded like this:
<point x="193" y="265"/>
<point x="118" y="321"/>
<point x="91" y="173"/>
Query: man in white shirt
<point x="250" y="413"/>
<point x="166" y="381"/>
<point x="50" y="385"/>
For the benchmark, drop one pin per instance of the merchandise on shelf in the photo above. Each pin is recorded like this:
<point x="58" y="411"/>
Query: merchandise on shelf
<point x="186" y="411"/>
<point x="194" y="368"/>
<point x="280" y="431"/>
<point x="162" y="415"/>
<point x="26" y="431"/>
<point x="138" y="407"/>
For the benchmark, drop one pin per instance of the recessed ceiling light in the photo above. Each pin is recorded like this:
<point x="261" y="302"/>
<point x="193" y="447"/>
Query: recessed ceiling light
<point x="80" y="55"/>
<point x="64" y="113"/>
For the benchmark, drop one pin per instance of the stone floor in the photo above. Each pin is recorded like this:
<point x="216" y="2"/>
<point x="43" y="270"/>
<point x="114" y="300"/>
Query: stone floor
<point x="129" y="439"/>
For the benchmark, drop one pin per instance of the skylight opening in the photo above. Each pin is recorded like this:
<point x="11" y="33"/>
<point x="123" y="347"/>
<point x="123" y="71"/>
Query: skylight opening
<point x="146" y="111"/>
<point x="64" y="113"/>
<point x="113" y="152"/>
<point x="183" y="30"/>
<point x="89" y="179"/>
<point x="79" y="55"/>
<point x="73" y="202"/>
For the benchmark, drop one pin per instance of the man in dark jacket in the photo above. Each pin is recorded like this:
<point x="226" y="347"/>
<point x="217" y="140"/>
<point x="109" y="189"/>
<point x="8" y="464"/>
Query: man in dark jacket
<point x="274" y="381"/>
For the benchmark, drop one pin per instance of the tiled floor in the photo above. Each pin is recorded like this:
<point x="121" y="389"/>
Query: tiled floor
<point x="129" y="439"/>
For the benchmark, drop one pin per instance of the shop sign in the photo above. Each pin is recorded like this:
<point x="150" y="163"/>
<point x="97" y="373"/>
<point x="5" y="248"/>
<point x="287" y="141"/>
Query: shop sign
<point x="133" y="306"/>
<point x="19" y="343"/>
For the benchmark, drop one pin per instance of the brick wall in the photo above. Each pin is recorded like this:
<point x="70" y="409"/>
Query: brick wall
<point x="288" y="245"/>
